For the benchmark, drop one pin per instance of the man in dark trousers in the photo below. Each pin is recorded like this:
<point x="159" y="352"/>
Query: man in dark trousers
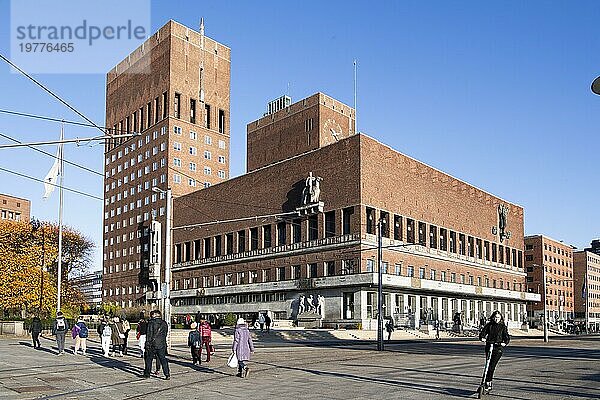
<point x="59" y="329"/>
<point x="156" y="344"/>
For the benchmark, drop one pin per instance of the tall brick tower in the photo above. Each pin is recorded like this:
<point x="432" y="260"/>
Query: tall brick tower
<point x="174" y="92"/>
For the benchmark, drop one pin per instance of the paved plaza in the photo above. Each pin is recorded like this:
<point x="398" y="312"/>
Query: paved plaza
<point x="566" y="368"/>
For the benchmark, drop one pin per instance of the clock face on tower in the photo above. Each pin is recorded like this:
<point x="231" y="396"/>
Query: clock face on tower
<point x="332" y="131"/>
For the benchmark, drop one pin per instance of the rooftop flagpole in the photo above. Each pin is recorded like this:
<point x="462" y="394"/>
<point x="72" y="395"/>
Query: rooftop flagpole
<point x="355" y="111"/>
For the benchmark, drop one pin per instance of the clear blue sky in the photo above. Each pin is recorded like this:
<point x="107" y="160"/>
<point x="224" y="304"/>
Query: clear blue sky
<point x="494" y="93"/>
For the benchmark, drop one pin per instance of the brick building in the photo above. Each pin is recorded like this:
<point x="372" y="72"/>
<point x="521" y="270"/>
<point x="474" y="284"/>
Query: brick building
<point x="586" y="278"/>
<point x="447" y="246"/>
<point x="594" y="247"/>
<point x="556" y="258"/>
<point x="14" y="208"/>
<point x="174" y="92"/>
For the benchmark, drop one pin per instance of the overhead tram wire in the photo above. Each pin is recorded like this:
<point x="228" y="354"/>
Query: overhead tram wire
<point x="50" y="92"/>
<point x="65" y="121"/>
<point x="54" y="156"/>
<point x="42" y="181"/>
<point x="45" y="118"/>
<point x="93" y="124"/>
<point x="52" y="119"/>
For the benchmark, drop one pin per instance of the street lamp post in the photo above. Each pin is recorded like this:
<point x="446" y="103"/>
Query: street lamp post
<point x="380" y="223"/>
<point x="379" y="286"/>
<point x="167" y="286"/>
<point x="545" y="305"/>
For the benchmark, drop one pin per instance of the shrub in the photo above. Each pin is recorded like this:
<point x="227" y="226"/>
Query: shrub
<point x="229" y="320"/>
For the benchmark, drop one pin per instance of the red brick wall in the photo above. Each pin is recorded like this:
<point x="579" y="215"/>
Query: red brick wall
<point x="285" y="134"/>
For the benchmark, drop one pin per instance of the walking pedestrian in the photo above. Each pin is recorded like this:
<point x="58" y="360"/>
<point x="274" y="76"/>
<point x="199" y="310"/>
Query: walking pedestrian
<point x="105" y="333"/>
<point x="437" y="329"/>
<point x="82" y="333"/>
<point x="117" y="337"/>
<point x="389" y="327"/>
<point x="59" y="329"/>
<point x="242" y="347"/>
<point x="141" y="333"/>
<point x="36" y="330"/>
<point x="494" y="332"/>
<point x="195" y="343"/>
<point x="206" y="336"/>
<point x="261" y="321"/>
<point x="156" y="344"/>
<point x="126" y="329"/>
<point x="457" y="322"/>
<point x="268" y="322"/>
<point x="482" y="321"/>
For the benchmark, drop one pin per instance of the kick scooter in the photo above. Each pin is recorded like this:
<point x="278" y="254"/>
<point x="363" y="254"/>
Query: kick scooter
<point x="481" y="390"/>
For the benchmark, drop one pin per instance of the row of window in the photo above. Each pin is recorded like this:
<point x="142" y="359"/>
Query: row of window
<point x="231" y="299"/>
<point x="132" y="191"/>
<point x="145" y="117"/>
<point x="121" y="290"/>
<point x="435" y="237"/>
<point x="112" y="212"/>
<point x="551" y="302"/>
<point x="194" y="136"/>
<point x="193" y="112"/>
<point x="117" y="183"/>
<point x="333" y="268"/>
<point x="556" y="250"/>
<point x="282" y="273"/>
<point x="130" y="163"/>
<point x="194" y="151"/>
<point x="10" y="215"/>
<point x="264" y="236"/>
<point x="192" y="182"/>
<point x="207" y="156"/>
<point x="557" y="261"/>
<point x="442" y="276"/>
<point x="138" y="219"/>
<point x="430" y="307"/>
<point x="131" y="147"/>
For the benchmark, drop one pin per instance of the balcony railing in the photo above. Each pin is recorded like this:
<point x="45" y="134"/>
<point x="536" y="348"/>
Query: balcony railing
<point x="333" y="241"/>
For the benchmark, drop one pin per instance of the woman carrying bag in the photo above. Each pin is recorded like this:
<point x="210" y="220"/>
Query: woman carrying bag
<point x="242" y="347"/>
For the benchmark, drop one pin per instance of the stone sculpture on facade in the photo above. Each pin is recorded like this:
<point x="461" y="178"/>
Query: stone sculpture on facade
<point x="502" y="223"/>
<point x="312" y="189"/>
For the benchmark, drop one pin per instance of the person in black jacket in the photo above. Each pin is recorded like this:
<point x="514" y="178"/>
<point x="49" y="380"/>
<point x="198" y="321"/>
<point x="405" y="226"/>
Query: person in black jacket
<point x="156" y="344"/>
<point x="494" y="332"/>
<point x="195" y="343"/>
<point x="36" y="329"/>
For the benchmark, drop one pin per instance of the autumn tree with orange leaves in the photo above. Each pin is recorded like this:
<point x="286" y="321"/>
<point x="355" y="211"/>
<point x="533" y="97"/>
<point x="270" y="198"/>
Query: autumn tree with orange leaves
<point x="23" y="251"/>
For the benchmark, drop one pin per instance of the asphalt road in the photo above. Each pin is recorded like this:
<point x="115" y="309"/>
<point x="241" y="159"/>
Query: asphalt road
<point x="563" y="369"/>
